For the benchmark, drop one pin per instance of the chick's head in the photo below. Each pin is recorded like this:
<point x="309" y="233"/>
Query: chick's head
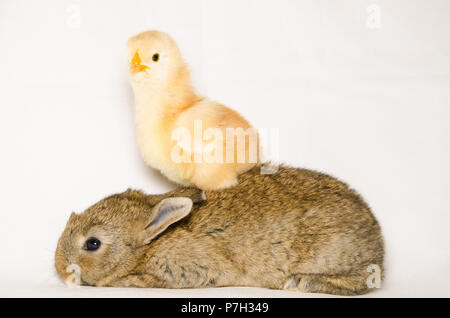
<point x="154" y="58"/>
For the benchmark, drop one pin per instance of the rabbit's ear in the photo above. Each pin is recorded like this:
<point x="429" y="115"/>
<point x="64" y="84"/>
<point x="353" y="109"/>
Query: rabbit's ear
<point x="73" y="217"/>
<point x="165" y="213"/>
<point x="196" y="195"/>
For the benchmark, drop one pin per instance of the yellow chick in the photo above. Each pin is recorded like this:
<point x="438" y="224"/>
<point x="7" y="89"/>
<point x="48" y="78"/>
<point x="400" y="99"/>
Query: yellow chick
<point x="191" y="139"/>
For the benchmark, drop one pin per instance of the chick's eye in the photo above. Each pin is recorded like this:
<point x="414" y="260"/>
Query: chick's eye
<point x="92" y="244"/>
<point x="155" y="57"/>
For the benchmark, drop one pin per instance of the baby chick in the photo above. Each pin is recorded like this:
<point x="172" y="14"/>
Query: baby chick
<point x="174" y="123"/>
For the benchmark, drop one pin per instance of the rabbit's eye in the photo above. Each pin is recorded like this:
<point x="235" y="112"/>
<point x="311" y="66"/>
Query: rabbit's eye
<point x="155" y="57"/>
<point x="92" y="244"/>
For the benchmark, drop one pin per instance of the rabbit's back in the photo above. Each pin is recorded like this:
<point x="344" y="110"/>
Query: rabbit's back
<point x="310" y="200"/>
<point x="293" y="222"/>
<point x="295" y="229"/>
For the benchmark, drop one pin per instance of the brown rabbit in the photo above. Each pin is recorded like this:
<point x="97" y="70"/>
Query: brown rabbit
<point x="296" y="229"/>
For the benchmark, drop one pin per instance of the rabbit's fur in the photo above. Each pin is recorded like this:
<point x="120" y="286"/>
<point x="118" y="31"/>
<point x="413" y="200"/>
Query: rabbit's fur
<point x="296" y="229"/>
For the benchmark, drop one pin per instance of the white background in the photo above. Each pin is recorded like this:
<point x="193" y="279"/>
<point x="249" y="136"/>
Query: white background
<point x="368" y="105"/>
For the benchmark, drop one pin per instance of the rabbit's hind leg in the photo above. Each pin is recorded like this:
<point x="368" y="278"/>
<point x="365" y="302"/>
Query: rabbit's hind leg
<point x="328" y="284"/>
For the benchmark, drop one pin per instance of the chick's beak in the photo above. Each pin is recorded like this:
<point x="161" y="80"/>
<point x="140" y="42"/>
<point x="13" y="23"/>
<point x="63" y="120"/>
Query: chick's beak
<point x="136" y="64"/>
